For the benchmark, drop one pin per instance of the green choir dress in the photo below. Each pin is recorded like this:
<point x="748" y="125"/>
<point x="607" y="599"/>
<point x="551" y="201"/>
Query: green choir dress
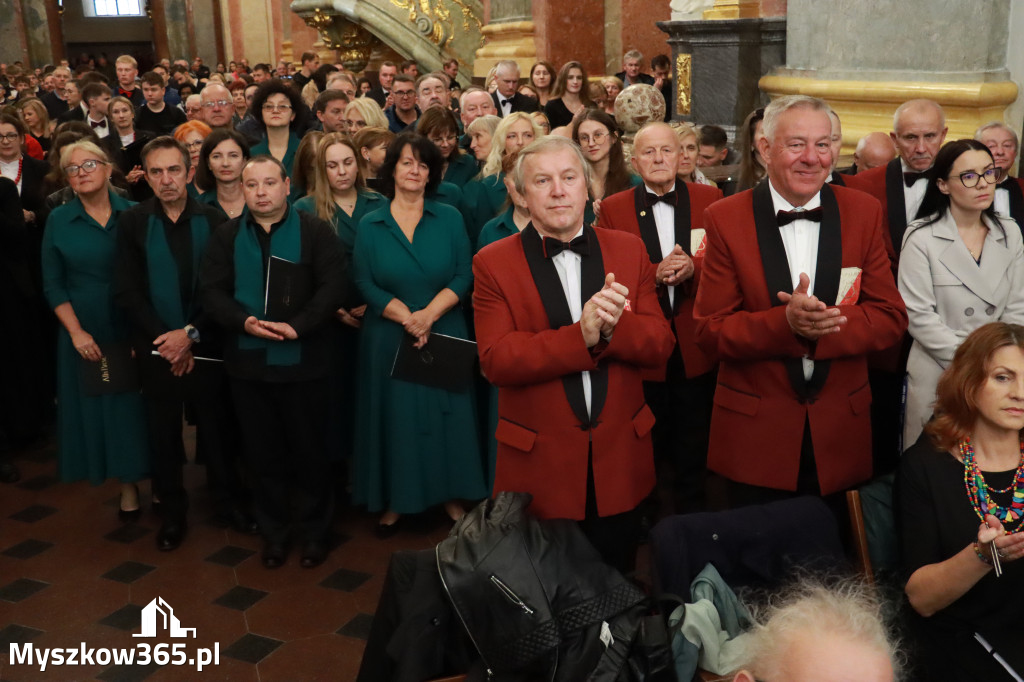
<point x="104" y="436"/>
<point x="210" y="199"/>
<point x="345" y="360"/>
<point x="263" y="147"/>
<point x="461" y="170"/>
<point x="416" y="446"/>
<point x="483" y="200"/>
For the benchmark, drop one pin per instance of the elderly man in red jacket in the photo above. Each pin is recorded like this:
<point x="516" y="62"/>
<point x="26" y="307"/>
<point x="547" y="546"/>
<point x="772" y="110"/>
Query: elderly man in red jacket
<point x="796" y="290"/>
<point x="567" y="318"/>
<point x="668" y="216"/>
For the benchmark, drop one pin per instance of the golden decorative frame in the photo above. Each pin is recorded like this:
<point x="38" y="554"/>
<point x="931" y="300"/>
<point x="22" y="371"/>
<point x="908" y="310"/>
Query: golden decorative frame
<point x="684" y="63"/>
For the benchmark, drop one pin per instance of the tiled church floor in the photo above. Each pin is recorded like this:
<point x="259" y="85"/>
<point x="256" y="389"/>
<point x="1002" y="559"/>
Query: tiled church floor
<point x="71" y="573"/>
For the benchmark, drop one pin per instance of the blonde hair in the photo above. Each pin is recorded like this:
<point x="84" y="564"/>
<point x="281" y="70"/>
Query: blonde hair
<point x="370" y="111"/>
<point x="309" y="94"/>
<point x="493" y="165"/>
<point x="40" y="109"/>
<point x="127" y="59"/>
<point x="323" y="194"/>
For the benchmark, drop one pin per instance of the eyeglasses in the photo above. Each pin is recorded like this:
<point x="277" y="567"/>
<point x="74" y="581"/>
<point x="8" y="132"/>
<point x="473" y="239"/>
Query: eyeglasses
<point x="89" y="166"/>
<point x="9" y="137"/>
<point x="970" y="179"/>
<point x="217" y="103"/>
<point x="404" y="93"/>
<point x="196" y="144"/>
<point x="597" y="137"/>
<point x="276" y="107"/>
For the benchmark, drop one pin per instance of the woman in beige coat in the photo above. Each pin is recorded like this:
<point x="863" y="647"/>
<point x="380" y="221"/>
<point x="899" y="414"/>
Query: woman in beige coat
<point x="961" y="267"/>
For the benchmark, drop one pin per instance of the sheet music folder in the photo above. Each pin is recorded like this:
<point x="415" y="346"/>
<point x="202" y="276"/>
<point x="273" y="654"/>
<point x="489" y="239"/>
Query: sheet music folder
<point x="444" y="362"/>
<point x="289" y="288"/>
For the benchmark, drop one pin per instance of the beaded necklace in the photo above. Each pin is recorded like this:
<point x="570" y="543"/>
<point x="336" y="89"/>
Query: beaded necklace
<point x="21" y="162"/>
<point x="978" y="491"/>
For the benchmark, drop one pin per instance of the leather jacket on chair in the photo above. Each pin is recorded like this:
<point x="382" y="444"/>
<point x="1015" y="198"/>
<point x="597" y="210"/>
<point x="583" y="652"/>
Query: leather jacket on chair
<point x="535" y="597"/>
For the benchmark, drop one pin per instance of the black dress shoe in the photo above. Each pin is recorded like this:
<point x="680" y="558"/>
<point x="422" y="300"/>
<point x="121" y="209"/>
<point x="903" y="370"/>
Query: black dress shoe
<point x="9" y="473"/>
<point x="314" y="553"/>
<point x="383" y="531"/>
<point x="274" y="555"/>
<point x="170" y="536"/>
<point x="237" y="520"/>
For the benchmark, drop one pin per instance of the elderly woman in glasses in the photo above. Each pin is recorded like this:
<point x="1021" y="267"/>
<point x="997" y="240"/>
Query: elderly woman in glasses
<point x="962" y="266"/>
<point x="101" y="436"/>
<point x="192" y="134"/>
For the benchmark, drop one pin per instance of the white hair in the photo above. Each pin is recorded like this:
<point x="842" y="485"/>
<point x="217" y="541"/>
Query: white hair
<point x="914" y="103"/>
<point x="997" y="125"/>
<point x="549" y="143"/>
<point x="783" y="104"/>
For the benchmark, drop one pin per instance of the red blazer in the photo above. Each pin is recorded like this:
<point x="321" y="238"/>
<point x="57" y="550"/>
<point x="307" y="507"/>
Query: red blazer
<point x="622" y="211"/>
<point x="760" y="408"/>
<point x="534" y="361"/>
<point x="885" y="183"/>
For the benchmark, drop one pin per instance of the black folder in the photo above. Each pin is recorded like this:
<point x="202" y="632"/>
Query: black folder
<point x="444" y="362"/>
<point x="289" y="288"/>
<point x="117" y="372"/>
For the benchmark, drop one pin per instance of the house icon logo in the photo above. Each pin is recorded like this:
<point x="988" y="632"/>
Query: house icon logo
<point x="159" y="613"/>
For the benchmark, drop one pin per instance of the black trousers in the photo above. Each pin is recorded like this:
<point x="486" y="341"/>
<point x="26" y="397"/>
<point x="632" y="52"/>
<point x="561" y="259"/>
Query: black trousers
<point x="283" y="433"/>
<point x="216" y="434"/>
<point x="615" y="537"/>
<point x="682" y="411"/>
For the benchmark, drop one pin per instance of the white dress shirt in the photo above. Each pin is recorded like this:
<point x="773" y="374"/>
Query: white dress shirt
<point x="505" y="103"/>
<point x="665" y="219"/>
<point x="913" y="195"/>
<point x="10" y="170"/>
<point x="567" y="263"/>
<point x="1001" y="203"/>
<point x="101" y="131"/>
<point x="800" y="239"/>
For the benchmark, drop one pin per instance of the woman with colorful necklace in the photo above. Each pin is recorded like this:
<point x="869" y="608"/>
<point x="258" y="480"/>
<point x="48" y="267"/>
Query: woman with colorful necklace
<point x="960" y="497"/>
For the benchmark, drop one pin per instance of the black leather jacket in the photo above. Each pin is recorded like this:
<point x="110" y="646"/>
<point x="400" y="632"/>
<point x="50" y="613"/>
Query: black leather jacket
<point x="535" y="597"/>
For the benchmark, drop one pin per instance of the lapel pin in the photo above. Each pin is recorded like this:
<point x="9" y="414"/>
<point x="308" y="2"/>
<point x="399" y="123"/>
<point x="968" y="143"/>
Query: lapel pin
<point x="643" y="213"/>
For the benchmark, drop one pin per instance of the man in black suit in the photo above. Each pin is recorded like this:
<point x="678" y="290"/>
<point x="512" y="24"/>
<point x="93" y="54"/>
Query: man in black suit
<point x="382" y="92"/>
<point x="78" y="110"/>
<point x="160" y="244"/>
<point x="506" y="99"/>
<point x="632" y="66"/>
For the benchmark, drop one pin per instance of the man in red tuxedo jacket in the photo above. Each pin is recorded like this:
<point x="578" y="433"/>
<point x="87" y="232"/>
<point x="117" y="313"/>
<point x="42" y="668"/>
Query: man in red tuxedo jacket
<point x="919" y="129"/>
<point x="567" y="318"/>
<point x="668" y="215"/>
<point x="1001" y="140"/>
<point x="792" y="402"/>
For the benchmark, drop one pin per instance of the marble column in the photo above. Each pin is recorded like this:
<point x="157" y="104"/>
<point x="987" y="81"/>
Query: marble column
<point x="717" y="65"/>
<point x="509" y="34"/>
<point x="865" y="57"/>
<point x="36" y="21"/>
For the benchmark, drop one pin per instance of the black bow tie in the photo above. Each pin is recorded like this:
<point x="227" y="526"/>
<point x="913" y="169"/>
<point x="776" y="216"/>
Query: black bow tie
<point x="505" y="101"/>
<point x="910" y="178"/>
<point x="786" y="217"/>
<point x="98" y="124"/>
<point x="553" y="247"/>
<point x="1007" y="183"/>
<point x="668" y="197"/>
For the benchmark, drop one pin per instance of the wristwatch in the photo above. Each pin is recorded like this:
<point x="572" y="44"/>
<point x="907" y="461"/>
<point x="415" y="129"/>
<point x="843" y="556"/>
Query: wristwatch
<point x="193" y="333"/>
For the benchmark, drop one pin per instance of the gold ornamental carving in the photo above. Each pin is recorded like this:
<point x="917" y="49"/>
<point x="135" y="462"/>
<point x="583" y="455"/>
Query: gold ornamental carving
<point x="684" y="63"/>
<point x="353" y="42"/>
<point x="434" y="19"/>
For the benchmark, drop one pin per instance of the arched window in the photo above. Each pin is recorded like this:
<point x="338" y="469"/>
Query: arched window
<point x="113" y="8"/>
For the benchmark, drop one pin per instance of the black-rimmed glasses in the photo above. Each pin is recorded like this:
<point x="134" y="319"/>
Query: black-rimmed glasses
<point x="970" y="179"/>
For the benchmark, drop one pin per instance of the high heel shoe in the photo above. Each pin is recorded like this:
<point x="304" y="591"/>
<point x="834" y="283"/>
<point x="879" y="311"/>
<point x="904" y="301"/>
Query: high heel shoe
<point x="129" y="515"/>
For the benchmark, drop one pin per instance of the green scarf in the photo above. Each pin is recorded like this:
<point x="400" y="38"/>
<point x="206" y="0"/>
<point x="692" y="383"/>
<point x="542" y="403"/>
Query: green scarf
<point x="164" y="282"/>
<point x="250" y="283"/>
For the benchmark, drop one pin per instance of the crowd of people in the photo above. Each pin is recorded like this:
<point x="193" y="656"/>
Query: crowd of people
<point x="260" y="243"/>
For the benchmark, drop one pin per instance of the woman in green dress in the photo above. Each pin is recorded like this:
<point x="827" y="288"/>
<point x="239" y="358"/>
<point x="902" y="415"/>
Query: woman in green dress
<point x="340" y="197"/>
<point x="101" y="436"/>
<point x="219" y="171"/>
<point x="281" y="113"/>
<point x="416" y="446"/>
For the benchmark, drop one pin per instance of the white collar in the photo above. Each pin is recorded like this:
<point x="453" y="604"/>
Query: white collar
<point x="648" y="188"/>
<point x="781" y="204"/>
